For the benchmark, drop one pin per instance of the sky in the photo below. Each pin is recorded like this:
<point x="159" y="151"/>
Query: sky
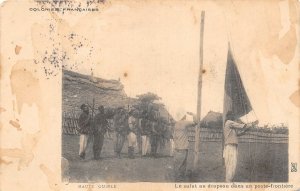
<point x="157" y="45"/>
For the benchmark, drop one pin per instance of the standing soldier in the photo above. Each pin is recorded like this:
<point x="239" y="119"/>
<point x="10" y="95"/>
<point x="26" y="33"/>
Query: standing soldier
<point x="132" y="127"/>
<point x="146" y="127"/>
<point x="168" y="135"/>
<point x="138" y="131"/>
<point x="109" y="114"/>
<point x="155" y="132"/>
<point x="231" y="134"/>
<point x="85" y="123"/>
<point x="100" y="128"/>
<point x="181" y="146"/>
<point x="121" y="125"/>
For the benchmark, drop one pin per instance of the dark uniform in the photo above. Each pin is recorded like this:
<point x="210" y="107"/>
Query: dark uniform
<point x="154" y="139"/>
<point x="145" y="129"/>
<point x="155" y="132"/>
<point x="100" y="128"/>
<point x="121" y="125"/>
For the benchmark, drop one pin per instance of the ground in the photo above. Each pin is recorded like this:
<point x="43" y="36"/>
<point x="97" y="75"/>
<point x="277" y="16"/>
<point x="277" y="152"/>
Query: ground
<point x="257" y="162"/>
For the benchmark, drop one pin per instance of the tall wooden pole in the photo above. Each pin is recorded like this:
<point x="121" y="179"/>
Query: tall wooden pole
<point x="197" y="133"/>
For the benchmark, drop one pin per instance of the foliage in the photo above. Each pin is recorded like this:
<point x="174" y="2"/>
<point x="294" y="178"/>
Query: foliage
<point x="146" y="103"/>
<point x="277" y="129"/>
<point x="148" y="97"/>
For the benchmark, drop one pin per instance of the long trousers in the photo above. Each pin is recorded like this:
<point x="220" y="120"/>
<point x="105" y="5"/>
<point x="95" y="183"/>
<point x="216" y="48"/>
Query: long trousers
<point x="120" y="142"/>
<point x="98" y="144"/>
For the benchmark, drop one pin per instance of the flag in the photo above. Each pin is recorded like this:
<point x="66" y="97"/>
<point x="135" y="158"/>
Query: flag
<point x="235" y="96"/>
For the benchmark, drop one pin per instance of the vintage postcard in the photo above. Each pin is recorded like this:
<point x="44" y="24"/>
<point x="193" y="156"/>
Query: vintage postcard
<point x="150" y="95"/>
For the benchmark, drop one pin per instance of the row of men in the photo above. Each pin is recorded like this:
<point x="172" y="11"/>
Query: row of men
<point x="179" y="136"/>
<point x="140" y="129"/>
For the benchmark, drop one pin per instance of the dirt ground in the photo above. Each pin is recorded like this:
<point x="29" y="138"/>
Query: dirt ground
<point x="256" y="163"/>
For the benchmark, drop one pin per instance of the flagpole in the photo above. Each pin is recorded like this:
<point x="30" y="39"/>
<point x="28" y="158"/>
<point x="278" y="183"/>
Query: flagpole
<point x="197" y="131"/>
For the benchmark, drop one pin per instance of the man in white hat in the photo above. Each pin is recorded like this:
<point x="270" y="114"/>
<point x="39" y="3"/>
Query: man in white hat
<point x="181" y="146"/>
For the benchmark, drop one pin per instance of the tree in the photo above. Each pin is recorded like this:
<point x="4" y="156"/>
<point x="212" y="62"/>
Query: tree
<point x="146" y="106"/>
<point x="148" y="97"/>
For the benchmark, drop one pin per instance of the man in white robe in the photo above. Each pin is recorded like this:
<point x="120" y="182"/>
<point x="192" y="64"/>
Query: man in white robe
<point x="232" y="130"/>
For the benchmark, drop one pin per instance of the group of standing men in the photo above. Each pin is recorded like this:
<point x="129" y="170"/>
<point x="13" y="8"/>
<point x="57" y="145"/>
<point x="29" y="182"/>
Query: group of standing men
<point x="147" y="128"/>
<point x="142" y="129"/>
<point x="233" y="128"/>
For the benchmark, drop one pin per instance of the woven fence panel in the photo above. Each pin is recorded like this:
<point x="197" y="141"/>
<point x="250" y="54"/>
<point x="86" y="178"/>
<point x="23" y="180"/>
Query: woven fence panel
<point x="216" y="135"/>
<point x="70" y="123"/>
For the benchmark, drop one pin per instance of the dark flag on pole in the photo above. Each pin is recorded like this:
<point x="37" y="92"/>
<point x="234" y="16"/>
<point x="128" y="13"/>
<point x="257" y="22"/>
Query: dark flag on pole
<point x="235" y="96"/>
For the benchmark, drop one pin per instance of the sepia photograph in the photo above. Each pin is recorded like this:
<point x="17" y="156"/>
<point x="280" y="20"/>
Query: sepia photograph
<point x="110" y="133"/>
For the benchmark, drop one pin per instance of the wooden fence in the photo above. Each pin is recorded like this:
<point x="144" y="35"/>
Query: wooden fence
<point x="216" y="135"/>
<point x="70" y="127"/>
<point x="70" y="123"/>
